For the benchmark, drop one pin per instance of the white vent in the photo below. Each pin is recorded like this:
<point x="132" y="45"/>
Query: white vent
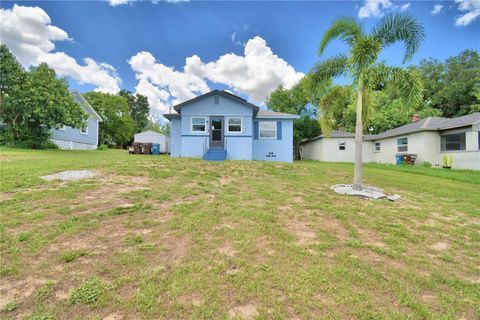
<point x="216" y="100"/>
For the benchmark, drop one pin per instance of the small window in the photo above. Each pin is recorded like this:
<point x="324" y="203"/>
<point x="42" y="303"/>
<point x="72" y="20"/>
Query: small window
<point x="268" y="129"/>
<point x="402" y="145"/>
<point x="342" y="145"/>
<point x="453" y="142"/>
<point x="216" y="99"/>
<point x="84" y="130"/>
<point x="377" y="146"/>
<point x="235" y="124"/>
<point x="198" y="124"/>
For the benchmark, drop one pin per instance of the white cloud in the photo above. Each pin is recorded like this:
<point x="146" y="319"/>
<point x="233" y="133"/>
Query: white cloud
<point x="30" y="36"/>
<point x="471" y="9"/>
<point x="373" y="8"/>
<point x="256" y="73"/>
<point x="404" y="7"/>
<point x="28" y="33"/>
<point x="102" y="75"/>
<point x="115" y="3"/>
<point x="437" y="9"/>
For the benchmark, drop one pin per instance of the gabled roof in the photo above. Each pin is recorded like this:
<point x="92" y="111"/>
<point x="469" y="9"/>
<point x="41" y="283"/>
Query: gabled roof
<point x="222" y="93"/>
<point x="149" y="132"/>
<point x="84" y="104"/>
<point x="430" y="124"/>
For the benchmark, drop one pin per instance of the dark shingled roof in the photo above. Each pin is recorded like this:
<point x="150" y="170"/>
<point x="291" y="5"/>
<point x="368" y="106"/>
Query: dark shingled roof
<point x="427" y="124"/>
<point x="223" y="93"/>
<point x="430" y="124"/>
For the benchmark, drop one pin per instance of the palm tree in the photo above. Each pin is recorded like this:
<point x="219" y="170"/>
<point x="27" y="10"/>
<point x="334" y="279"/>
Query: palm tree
<point x="360" y="65"/>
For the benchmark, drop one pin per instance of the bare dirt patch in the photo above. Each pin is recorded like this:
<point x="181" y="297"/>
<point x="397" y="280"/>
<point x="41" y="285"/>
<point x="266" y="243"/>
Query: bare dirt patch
<point x="334" y="225"/>
<point x="247" y="311"/>
<point x="194" y="300"/>
<point x="18" y="291"/>
<point x="371" y="237"/>
<point x="227" y="249"/>
<point x="302" y="230"/>
<point x="440" y="246"/>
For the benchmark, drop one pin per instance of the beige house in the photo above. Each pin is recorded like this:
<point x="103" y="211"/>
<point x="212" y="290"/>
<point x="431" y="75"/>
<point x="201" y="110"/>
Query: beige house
<point x="429" y="139"/>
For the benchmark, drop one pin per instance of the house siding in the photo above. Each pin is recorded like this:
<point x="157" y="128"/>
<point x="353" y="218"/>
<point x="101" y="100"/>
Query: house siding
<point x="279" y="149"/>
<point x="175" y="137"/>
<point x="78" y="140"/>
<point x="236" y="144"/>
<point x="425" y="144"/>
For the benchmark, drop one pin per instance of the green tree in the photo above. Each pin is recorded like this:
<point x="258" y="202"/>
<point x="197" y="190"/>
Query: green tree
<point x="361" y="66"/>
<point x="450" y="87"/>
<point x="139" y="109"/>
<point x="117" y="127"/>
<point x="300" y="101"/>
<point x="34" y="102"/>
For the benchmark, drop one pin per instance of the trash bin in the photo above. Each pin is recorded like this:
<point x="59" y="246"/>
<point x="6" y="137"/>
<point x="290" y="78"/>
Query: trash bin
<point x="147" y="148"/>
<point x="137" y="147"/>
<point x="399" y="158"/>
<point x="155" y="148"/>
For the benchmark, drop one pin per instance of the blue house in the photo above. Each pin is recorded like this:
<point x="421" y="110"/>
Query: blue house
<point x="79" y="139"/>
<point x="219" y="125"/>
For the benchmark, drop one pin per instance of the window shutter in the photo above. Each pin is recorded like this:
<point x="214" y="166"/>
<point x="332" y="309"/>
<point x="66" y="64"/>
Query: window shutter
<point x="279" y="130"/>
<point x="255" y="130"/>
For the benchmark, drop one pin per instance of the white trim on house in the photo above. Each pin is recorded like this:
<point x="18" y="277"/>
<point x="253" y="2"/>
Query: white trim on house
<point x="228" y="125"/>
<point x="260" y="123"/>
<point x="204" y="124"/>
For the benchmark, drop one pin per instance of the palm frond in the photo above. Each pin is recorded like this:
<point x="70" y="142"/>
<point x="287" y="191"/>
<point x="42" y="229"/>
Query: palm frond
<point x="330" y="68"/>
<point x="344" y="28"/>
<point x="408" y="82"/>
<point x="400" y="27"/>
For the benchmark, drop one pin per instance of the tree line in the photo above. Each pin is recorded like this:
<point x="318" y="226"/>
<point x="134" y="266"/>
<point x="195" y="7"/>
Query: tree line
<point x="450" y="88"/>
<point x="34" y="101"/>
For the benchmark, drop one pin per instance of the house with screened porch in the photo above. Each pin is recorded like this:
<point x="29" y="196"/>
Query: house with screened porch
<point x="219" y="125"/>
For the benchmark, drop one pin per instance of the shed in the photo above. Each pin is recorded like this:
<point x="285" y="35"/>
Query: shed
<point x="154" y="137"/>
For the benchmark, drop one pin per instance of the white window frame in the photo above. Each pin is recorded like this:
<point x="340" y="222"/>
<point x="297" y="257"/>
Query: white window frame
<point x="342" y="143"/>
<point x="402" y="145"/>
<point x="204" y="123"/>
<point x="375" y="147"/>
<point x="86" y="130"/>
<point x="463" y="142"/>
<point x="241" y="125"/>
<point x="260" y="130"/>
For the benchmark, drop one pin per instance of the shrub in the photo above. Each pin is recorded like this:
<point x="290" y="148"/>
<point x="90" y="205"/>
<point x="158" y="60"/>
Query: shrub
<point x="70" y="255"/>
<point x="48" y="145"/>
<point x="426" y="164"/>
<point x="89" y="292"/>
<point x="102" y="147"/>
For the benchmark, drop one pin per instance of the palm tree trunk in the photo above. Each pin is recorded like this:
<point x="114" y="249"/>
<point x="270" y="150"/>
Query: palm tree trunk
<point x="357" y="180"/>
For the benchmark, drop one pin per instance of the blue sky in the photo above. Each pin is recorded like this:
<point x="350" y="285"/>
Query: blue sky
<point x="150" y="42"/>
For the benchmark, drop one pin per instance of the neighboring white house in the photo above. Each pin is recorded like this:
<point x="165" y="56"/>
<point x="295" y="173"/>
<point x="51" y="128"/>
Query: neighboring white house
<point x="150" y="136"/>
<point x="430" y="139"/>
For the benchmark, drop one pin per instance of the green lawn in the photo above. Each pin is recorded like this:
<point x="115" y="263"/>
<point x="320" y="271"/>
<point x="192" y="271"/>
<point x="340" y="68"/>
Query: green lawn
<point x="154" y="237"/>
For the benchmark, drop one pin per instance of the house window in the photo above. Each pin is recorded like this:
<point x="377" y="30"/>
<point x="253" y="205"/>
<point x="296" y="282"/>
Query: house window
<point x="216" y="99"/>
<point x="402" y="145"/>
<point x="234" y="125"/>
<point x="199" y="124"/>
<point x="377" y="146"/>
<point x="453" y="142"/>
<point x="268" y="129"/>
<point x="342" y="145"/>
<point x="84" y="130"/>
